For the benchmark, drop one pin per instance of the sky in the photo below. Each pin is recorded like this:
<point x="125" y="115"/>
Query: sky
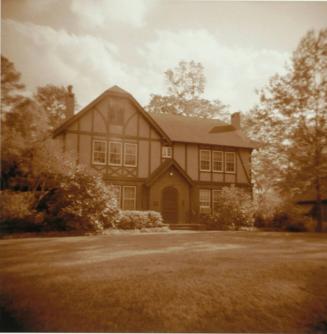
<point x="95" y="44"/>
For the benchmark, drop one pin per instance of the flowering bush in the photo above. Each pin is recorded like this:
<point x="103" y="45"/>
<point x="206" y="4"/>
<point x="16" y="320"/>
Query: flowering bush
<point x="82" y="202"/>
<point x="130" y="220"/>
<point x="234" y="209"/>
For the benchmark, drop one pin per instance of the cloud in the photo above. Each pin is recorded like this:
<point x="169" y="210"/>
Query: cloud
<point x="232" y="73"/>
<point x="93" y="64"/>
<point x="44" y="55"/>
<point x="98" y="12"/>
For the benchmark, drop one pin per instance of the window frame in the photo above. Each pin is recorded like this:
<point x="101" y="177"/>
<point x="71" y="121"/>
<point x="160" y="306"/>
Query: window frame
<point x="234" y="162"/>
<point x="118" y="186"/>
<point x="165" y="149"/>
<point x="121" y="153"/>
<point x="200" y="158"/>
<point x="123" y="197"/>
<point x="214" y="191"/>
<point x="222" y="161"/>
<point x="105" y="152"/>
<point x="201" y="207"/>
<point x="129" y="165"/>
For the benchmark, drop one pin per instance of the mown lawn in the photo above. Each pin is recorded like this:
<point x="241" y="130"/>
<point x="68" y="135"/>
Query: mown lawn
<point x="169" y="282"/>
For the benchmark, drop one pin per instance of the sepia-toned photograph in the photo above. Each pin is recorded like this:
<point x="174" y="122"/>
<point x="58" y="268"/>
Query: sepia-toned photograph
<point x="163" y="166"/>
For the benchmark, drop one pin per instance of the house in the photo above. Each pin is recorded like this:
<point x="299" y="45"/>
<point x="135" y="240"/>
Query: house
<point x="168" y="163"/>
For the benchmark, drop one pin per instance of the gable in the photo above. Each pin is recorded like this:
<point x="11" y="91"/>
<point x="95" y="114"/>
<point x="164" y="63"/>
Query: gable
<point x="115" y="112"/>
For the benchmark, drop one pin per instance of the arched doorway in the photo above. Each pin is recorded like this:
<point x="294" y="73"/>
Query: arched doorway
<point x="170" y="205"/>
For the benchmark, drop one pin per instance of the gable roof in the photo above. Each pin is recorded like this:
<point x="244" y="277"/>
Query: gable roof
<point x="201" y="131"/>
<point x="113" y="91"/>
<point x="163" y="168"/>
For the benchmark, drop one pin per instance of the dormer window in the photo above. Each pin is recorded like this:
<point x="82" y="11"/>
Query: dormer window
<point x="167" y="152"/>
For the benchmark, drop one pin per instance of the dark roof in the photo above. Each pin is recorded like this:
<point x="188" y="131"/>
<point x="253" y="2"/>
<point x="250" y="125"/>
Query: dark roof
<point x="113" y="91"/>
<point x="201" y="131"/>
<point x="169" y="163"/>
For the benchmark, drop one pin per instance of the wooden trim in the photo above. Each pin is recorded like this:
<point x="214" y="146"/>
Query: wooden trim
<point x="150" y="152"/>
<point x="185" y="156"/>
<point x="117" y="135"/>
<point x="220" y="184"/>
<point x="242" y="163"/>
<point x="78" y="143"/>
<point x="198" y="150"/>
<point x="236" y="167"/>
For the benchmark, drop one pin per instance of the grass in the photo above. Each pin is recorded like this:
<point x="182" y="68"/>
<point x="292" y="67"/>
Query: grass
<point x="169" y="282"/>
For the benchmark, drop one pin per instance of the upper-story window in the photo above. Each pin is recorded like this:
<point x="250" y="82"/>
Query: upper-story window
<point x="116" y="116"/>
<point x="167" y="151"/>
<point x="217" y="161"/>
<point x="130" y="155"/>
<point x="115" y="153"/>
<point x="205" y="160"/>
<point x="99" y="156"/>
<point x="230" y="162"/>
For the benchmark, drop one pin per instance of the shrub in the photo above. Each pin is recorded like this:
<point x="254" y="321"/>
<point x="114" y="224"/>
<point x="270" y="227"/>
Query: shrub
<point x="17" y="212"/>
<point x="234" y="209"/>
<point x="82" y="202"/>
<point x="130" y="220"/>
<point x="213" y="222"/>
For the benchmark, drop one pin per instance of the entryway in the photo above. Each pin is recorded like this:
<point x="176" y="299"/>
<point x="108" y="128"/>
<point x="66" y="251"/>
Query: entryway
<point x="170" y="205"/>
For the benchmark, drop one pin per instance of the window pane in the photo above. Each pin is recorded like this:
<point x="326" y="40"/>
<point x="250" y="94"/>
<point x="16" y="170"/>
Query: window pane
<point x="115" y="153"/>
<point x="217" y="161"/>
<point x="204" y="198"/>
<point x="166" y="152"/>
<point x="117" y="193"/>
<point x="230" y="161"/>
<point x="99" y="152"/>
<point x="129" y="198"/>
<point x="130" y="154"/>
<point x="215" y="199"/>
<point x="205" y="160"/>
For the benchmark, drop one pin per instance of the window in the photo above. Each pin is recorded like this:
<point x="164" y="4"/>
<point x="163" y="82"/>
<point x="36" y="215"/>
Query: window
<point x="205" y="160"/>
<point x="230" y="162"/>
<point x="166" y="152"/>
<point x="129" y="197"/>
<point x="117" y="193"/>
<point x="217" y="161"/>
<point x="115" y="153"/>
<point x="130" y="155"/>
<point x="215" y="199"/>
<point x="204" y="199"/>
<point x="99" y="156"/>
<point x="116" y="116"/>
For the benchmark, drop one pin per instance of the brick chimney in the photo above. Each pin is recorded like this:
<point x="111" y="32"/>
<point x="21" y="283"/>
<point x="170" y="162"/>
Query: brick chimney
<point x="236" y="120"/>
<point x="70" y="102"/>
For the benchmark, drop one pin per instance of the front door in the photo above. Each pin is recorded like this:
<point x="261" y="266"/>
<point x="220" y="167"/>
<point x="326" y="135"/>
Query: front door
<point x="170" y="205"/>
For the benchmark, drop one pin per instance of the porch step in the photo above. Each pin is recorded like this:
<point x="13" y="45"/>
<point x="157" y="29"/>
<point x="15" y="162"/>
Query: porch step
<point x="187" y="227"/>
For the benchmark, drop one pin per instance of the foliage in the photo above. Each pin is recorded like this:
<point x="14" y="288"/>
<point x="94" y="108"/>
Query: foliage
<point x="186" y="85"/>
<point x="53" y="101"/>
<point x="17" y="212"/>
<point x="234" y="209"/>
<point x="286" y="217"/>
<point x="291" y="123"/>
<point x="130" y="220"/>
<point x="10" y="84"/>
<point x="82" y="202"/>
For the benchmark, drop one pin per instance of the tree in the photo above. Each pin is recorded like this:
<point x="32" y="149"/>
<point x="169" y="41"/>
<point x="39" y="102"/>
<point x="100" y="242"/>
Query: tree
<point x="53" y="100"/>
<point x="11" y="88"/>
<point x="291" y="122"/>
<point x="186" y="84"/>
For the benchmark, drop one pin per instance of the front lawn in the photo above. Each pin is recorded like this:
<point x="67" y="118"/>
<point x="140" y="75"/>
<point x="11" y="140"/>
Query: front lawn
<point x="170" y="282"/>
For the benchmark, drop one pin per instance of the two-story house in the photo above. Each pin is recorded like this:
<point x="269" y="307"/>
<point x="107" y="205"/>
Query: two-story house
<point x="168" y="163"/>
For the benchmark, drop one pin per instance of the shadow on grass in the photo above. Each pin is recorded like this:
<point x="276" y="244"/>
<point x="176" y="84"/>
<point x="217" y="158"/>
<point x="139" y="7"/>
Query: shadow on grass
<point x="8" y="323"/>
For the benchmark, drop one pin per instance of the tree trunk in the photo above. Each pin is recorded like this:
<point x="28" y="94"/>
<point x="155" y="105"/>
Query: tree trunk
<point x="318" y="206"/>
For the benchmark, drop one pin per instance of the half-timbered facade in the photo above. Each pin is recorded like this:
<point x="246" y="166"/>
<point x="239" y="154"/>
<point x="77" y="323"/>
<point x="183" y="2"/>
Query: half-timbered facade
<point x="172" y="164"/>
